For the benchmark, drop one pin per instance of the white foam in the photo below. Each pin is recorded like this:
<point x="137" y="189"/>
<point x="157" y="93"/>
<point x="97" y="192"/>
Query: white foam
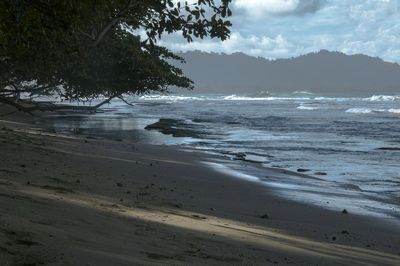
<point x="363" y="110"/>
<point x="380" y="98"/>
<point x="359" y="110"/>
<point x="302" y="107"/>
<point x="243" y="135"/>
<point x="396" y="111"/>
<point x="234" y="97"/>
<point x="170" y="98"/>
<point x="334" y="99"/>
<point x="255" y="158"/>
<point x="226" y="170"/>
<point x="303" y="92"/>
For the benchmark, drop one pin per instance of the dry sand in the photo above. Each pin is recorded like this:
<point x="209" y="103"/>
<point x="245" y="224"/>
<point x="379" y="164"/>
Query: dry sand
<point x="70" y="200"/>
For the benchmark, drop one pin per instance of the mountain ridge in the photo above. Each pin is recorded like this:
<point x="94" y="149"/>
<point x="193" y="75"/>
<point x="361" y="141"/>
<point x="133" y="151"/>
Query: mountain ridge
<point x="324" y="72"/>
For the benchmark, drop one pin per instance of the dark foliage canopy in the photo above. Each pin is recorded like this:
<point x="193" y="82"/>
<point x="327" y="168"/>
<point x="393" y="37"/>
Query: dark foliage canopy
<point x="84" y="49"/>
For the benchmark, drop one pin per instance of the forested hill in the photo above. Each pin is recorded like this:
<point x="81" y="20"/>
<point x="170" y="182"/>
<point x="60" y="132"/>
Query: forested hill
<point x="327" y="73"/>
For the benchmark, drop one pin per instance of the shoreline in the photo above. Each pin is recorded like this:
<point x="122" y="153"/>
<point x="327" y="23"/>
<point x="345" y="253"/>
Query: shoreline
<point x="102" y="202"/>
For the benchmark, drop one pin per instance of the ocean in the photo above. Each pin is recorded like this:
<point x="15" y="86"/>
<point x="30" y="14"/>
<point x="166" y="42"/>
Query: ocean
<point x="338" y="153"/>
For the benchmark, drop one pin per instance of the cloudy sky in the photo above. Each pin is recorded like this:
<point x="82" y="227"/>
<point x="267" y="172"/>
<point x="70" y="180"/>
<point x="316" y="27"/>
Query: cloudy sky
<point x="287" y="28"/>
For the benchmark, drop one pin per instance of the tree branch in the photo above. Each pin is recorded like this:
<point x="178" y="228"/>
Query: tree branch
<point x="87" y="35"/>
<point x="114" y="21"/>
<point x="18" y="106"/>
<point x="125" y="101"/>
<point x="108" y="100"/>
<point x="30" y="107"/>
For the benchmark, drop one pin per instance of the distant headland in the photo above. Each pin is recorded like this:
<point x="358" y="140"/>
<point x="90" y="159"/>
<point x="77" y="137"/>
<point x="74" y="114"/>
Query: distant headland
<point x="323" y="72"/>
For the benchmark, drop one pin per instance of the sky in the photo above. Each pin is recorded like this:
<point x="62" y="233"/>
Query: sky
<point x="289" y="28"/>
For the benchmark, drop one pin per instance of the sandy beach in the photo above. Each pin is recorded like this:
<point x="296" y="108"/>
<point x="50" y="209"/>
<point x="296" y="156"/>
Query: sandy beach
<point x="74" y="200"/>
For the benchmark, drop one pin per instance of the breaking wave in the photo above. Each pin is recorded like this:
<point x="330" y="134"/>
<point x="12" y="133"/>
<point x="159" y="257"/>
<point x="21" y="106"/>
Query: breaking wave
<point x="302" y="107"/>
<point x="303" y="92"/>
<point x="234" y="97"/>
<point x="396" y="111"/>
<point x="380" y="98"/>
<point x="359" y="110"/>
<point x="368" y="110"/>
<point x="173" y="98"/>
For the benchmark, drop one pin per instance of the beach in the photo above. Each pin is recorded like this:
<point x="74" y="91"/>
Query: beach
<point x="78" y="200"/>
<point x="332" y="156"/>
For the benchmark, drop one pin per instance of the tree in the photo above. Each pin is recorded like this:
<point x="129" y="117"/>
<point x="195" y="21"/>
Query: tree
<point x="85" y="49"/>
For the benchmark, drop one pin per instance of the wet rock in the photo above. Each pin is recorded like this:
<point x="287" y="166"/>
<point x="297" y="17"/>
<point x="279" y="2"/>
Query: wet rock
<point x="345" y="232"/>
<point x="176" y="128"/>
<point x="320" y="173"/>
<point x="264" y="216"/>
<point x="351" y="187"/>
<point x="119" y="185"/>
<point x="389" y="148"/>
<point x="303" y="170"/>
<point x="345" y="211"/>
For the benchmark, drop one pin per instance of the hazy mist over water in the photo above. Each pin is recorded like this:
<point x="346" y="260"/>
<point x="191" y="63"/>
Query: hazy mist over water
<point x="345" y="150"/>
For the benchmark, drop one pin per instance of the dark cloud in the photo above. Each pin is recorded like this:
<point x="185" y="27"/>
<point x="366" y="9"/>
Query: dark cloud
<point x="308" y="6"/>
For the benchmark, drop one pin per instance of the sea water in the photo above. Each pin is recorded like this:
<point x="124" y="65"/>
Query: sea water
<point x="345" y="152"/>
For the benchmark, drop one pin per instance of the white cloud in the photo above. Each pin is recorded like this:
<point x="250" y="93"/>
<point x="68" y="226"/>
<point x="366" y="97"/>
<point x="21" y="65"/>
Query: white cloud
<point x="263" y="46"/>
<point x="259" y="8"/>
